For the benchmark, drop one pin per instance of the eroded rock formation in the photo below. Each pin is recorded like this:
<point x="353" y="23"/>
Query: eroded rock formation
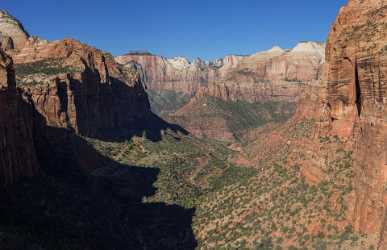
<point x="176" y="74"/>
<point x="273" y="74"/>
<point x="355" y="77"/>
<point x="17" y="150"/>
<point x="65" y="89"/>
<point x="12" y="33"/>
<point x="79" y="87"/>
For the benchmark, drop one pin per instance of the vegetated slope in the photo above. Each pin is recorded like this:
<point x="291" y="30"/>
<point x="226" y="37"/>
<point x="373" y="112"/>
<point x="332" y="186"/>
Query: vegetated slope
<point x="77" y="198"/>
<point x="210" y="117"/>
<point x="294" y="196"/>
<point x="189" y="167"/>
<point x="298" y="199"/>
<point x="164" y="102"/>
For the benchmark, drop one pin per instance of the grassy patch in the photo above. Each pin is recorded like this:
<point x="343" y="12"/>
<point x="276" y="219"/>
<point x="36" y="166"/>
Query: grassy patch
<point x="166" y="100"/>
<point x="241" y="115"/>
<point x="47" y="67"/>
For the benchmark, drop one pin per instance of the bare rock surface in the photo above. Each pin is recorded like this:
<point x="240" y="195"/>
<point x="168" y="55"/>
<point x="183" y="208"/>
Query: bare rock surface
<point x="10" y="27"/>
<point x="272" y="74"/>
<point x="17" y="150"/>
<point x="355" y="79"/>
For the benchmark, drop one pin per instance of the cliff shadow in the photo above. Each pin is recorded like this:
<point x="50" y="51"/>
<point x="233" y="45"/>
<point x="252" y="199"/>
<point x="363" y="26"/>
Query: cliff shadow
<point x="83" y="200"/>
<point x="116" y="111"/>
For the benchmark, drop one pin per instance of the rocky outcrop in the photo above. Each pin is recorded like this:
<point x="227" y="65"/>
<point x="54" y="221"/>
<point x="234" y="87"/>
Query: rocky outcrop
<point x="273" y="74"/>
<point x="356" y="106"/>
<point x="78" y="87"/>
<point x="65" y="90"/>
<point x="17" y="150"/>
<point x="176" y="74"/>
<point x="29" y="147"/>
<point x="12" y="30"/>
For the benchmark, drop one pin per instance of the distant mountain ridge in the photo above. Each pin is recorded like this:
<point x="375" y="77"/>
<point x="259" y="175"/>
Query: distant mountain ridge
<point x="234" y="77"/>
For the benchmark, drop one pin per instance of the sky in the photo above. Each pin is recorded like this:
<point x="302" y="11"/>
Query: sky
<point x="208" y="29"/>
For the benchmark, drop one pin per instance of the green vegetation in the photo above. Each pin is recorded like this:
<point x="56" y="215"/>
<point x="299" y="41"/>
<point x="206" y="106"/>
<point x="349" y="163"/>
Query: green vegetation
<point x="248" y="208"/>
<point x="267" y="206"/>
<point x="189" y="168"/>
<point x="278" y="206"/>
<point x="47" y="67"/>
<point x="166" y="100"/>
<point x="241" y="115"/>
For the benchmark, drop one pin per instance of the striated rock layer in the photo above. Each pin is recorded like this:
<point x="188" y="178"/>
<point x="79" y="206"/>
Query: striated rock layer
<point x="17" y="150"/>
<point x="273" y="74"/>
<point x="81" y="88"/>
<point x="65" y="89"/>
<point x="176" y="74"/>
<point x="356" y="76"/>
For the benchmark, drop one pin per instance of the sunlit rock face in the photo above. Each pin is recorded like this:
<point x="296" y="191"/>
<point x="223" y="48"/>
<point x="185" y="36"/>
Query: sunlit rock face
<point x="11" y="28"/>
<point x="355" y="78"/>
<point x="79" y="87"/>
<point x="176" y="74"/>
<point x="276" y="74"/>
<point x="271" y="74"/>
<point x="74" y="85"/>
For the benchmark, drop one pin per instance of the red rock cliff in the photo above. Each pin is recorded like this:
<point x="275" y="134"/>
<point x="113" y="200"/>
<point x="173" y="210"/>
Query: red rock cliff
<point x="272" y="74"/>
<point x="79" y="87"/>
<point x="356" y="78"/>
<point x="17" y="151"/>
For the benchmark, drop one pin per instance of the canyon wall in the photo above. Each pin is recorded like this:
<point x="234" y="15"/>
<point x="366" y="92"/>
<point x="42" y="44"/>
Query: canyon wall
<point x="17" y="149"/>
<point x="356" y="75"/>
<point x="79" y="87"/>
<point x="176" y="74"/>
<point x="55" y="92"/>
<point x="274" y="74"/>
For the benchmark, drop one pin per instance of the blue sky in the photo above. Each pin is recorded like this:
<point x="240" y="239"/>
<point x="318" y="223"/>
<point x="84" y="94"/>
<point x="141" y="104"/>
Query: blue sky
<point x="193" y="28"/>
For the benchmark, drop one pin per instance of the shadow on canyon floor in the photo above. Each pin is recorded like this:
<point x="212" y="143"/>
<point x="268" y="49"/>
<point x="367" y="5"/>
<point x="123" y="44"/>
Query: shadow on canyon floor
<point x="127" y="106"/>
<point x="65" y="208"/>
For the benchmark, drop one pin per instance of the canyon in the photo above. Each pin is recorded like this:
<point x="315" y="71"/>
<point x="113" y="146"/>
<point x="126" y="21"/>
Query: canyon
<point x="282" y="149"/>
<point x="55" y="97"/>
<point x="200" y="95"/>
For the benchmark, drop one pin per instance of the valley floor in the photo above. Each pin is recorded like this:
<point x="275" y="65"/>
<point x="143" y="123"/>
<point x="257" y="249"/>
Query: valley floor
<point x="290" y="193"/>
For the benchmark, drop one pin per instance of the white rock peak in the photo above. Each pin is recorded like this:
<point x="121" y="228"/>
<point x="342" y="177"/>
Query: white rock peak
<point x="276" y="49"/>
<point x="11" y="27"/>
<point x="309" y="47"/>
<point x="179" y="62"/>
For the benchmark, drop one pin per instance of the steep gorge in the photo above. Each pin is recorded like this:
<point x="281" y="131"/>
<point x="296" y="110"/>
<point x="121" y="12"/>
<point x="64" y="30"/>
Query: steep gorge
<point x="298" y="184"/>
<point x="74" y="197"/>
<point x="208" y="98"/>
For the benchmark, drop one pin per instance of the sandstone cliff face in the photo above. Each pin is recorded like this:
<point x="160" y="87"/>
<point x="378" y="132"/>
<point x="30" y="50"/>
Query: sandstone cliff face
<point x="273" y="74"/>
<point x="69" y="89"/>
<point x="11" y="31"/>
<point x="355" y="77"/>
<point x="17" y="150"/>
<point x="78" y="87"/>
<point x="176" y="74"/>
